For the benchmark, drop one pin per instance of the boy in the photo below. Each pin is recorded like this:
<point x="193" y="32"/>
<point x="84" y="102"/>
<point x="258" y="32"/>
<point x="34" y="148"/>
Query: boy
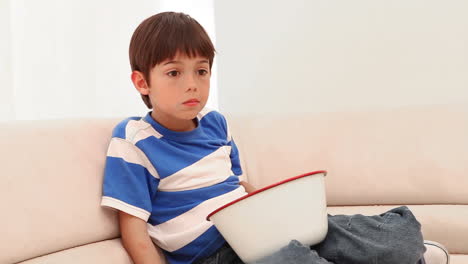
<point x="167" y="170"/>
<point x="178" y="163"/>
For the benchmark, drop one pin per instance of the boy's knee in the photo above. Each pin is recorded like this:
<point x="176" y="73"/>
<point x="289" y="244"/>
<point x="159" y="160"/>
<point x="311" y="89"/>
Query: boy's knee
<point x="392" y="237"/>
<point x="402" y="236"/>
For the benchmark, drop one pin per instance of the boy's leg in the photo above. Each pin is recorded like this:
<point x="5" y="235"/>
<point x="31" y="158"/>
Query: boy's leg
<point x="294" y="253"/>
<point x="389" y="238"/>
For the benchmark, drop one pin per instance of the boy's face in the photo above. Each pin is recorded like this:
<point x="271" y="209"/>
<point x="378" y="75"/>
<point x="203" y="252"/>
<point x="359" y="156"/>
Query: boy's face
<point x="178" y="90"/>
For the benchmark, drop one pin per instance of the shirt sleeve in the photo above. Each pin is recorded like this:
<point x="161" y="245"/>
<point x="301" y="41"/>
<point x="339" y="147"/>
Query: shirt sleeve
<point x="234" y="155"/>
<point x="130" y="180"/>
<point x="235" y="160"/>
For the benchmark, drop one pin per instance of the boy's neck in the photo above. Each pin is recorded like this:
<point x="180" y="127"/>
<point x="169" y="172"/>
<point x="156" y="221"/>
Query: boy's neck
<point x="175" y="125"/>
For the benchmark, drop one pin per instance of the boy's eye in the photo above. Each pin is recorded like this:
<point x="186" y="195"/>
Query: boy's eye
<point x="173" y="73"/>
<point x="203" y="72"/>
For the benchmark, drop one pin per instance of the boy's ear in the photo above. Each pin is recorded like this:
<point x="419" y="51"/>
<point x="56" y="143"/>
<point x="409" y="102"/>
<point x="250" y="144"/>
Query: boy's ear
<point x="140" y="83"/>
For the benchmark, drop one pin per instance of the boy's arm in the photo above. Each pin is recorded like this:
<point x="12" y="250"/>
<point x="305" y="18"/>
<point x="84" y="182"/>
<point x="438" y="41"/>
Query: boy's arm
<point x="247" y="186"/>
<point x="137" y="242"/>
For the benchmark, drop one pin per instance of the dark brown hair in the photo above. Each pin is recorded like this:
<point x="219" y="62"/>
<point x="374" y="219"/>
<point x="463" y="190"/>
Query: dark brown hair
<point x="161" y="37"/>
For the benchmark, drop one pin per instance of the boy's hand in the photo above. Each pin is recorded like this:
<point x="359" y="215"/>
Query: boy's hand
<point x="247" y="186"/>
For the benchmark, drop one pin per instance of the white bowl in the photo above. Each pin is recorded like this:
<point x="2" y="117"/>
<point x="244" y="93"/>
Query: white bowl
<point x="261" y="223"/>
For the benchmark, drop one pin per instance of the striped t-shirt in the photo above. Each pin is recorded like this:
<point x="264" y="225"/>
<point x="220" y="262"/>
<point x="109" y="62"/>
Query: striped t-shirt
<point x="173" y="180"/>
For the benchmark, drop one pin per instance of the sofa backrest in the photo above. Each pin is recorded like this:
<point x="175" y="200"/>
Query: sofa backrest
<point x="50" y="186"/>
<point x="51" y="177"/>
<point x="416" y="156"/>
<point x="413" y="155"/>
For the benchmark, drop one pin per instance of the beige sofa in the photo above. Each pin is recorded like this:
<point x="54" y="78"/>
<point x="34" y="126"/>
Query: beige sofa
<point x="50" y="185"/>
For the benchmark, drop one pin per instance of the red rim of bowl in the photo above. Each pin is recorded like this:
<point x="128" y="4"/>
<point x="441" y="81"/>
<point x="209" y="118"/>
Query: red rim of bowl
<point x="265" y="188"/>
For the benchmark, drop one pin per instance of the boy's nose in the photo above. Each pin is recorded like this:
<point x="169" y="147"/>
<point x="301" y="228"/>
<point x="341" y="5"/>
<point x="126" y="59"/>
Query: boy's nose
<point x="191" y="83"/>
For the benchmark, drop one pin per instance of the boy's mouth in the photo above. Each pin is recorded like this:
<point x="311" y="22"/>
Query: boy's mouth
<point x="191" y="102"/>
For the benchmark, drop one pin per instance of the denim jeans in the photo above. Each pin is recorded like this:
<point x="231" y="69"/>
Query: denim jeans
<point x="393" y="237"/>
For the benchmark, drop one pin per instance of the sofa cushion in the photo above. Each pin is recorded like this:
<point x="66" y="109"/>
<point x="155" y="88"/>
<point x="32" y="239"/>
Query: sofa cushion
<point x="104" y="252"/>
<point x="458" y="259"/>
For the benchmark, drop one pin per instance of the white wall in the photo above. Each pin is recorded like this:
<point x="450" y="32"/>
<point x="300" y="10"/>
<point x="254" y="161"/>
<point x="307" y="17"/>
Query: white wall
<point x="327" y="55"/>
<point x="6" y="95"/>
<point x="69" y="58"/>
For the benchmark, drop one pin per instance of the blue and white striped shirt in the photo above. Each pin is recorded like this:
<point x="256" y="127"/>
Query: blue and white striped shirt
<point x="173" y="180"/>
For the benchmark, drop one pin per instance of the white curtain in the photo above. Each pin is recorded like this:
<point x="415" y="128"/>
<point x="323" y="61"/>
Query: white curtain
<point x="69" y="58"/>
